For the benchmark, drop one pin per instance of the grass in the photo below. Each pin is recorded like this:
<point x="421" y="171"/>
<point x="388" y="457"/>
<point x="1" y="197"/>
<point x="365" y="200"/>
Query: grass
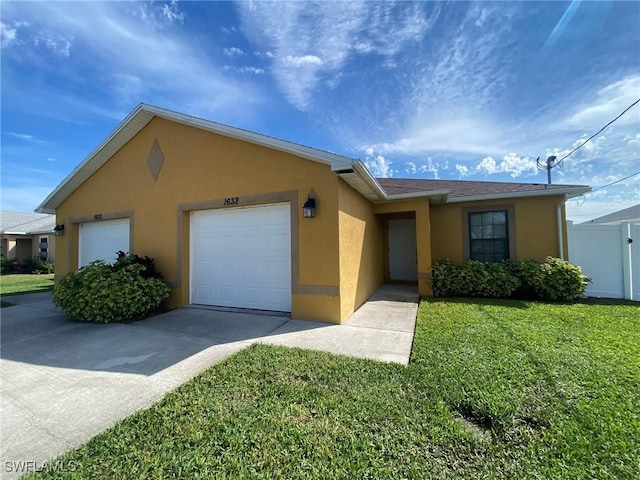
<point x="16" y="283"/>
<point x="494" y="389"/>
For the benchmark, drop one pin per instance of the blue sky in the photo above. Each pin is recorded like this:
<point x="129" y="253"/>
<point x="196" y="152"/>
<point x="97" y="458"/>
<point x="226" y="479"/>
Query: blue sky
<point x="453" y="90"/>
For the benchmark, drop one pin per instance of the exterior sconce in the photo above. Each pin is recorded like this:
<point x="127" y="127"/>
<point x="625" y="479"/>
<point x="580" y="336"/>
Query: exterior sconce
<point x="309" y="208"/>
<point x="58" y="231"/>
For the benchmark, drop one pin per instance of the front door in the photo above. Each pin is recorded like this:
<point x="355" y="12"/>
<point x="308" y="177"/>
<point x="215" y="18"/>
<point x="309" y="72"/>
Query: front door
<point x="403" y="252"/>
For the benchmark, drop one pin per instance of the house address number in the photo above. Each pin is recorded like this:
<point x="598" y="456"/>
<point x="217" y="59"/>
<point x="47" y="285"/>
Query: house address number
<point x="231" y="201"/>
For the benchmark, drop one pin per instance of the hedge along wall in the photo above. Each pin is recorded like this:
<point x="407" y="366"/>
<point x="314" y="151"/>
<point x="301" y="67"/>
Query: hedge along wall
<point x="555" y="279"/>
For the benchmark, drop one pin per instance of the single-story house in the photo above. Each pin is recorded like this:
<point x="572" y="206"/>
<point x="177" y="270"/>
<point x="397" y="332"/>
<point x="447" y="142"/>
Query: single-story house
<point x="630" y="215"/>
<point x="238" y="219"/>
<point x="26" y="235"/>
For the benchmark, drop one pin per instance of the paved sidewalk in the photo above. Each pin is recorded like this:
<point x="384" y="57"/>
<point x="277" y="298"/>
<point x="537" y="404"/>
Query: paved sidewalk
<point x="62" y="382"/>
<point x="381" y="329"/>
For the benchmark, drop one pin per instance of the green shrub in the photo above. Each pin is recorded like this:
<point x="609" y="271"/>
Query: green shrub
<point x="555" y="280"/>
<point x="6" y="266"/>
<point x="99" y="292"/>
<point x="476" y="279"/>
<point x="124" y="259"/>
<point x="561" y="280"/>
<point x="446" y="279"/>
<point x="36" y="265"/>
<point x="529" y="275"/>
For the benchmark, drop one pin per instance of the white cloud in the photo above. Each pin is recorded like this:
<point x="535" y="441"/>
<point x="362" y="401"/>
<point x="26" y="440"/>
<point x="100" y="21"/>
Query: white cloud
<point x="511" y="163"/>
<point x="26" y="137"/>
<point x="233" y="52"/>
<point x="57" y="43"/>
<point x="610" y="101"/>
<point x="296" y="62"/>
<point x="7" y="35"/>
<point x="309" y="41"/>
<point x="171" y="12"/>
<point x="159" y="15"/>
<point x="378" y="166"/>
<point x="251" y="70"/>
<point x="446" y="132"/>
<point x="159" y="65"/>
<point x="430" y="167"/>
<point x="463" y="170"/>
<point x="410" y="167"/>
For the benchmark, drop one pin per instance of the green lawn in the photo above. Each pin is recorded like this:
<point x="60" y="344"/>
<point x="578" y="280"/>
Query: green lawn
<point x="495" y="389"/>
<point x="16" y="283"/>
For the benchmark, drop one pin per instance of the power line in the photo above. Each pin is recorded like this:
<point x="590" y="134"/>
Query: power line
<point x="613" y="183"/>
<point x="599" y="131"/>
<point x="553" y="161"/>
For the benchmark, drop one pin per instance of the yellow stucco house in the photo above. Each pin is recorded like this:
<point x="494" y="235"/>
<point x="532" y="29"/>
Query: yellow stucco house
<point x="220" y="209"/>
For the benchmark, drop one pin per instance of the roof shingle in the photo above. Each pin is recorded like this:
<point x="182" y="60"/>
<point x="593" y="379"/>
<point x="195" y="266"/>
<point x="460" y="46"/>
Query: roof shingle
<point x="465" y="188"/>
<point x="26" y="222"/>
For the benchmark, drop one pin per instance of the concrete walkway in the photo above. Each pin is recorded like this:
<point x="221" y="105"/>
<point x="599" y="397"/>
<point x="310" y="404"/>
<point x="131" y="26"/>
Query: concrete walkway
<point x="62" y="382"/>
<point x="381" y="329"/>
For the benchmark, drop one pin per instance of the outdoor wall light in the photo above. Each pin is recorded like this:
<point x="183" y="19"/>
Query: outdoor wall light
<point x="58" y="231"/>
<point x="309" y="208"/>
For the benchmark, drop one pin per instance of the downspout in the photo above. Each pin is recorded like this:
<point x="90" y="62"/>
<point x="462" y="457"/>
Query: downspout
<point x="560" y="228"/>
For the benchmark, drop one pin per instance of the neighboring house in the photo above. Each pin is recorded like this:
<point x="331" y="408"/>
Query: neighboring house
<point x="220" y="209"/>
<point x="26" y="235"/>
<point x="631" y="215"/>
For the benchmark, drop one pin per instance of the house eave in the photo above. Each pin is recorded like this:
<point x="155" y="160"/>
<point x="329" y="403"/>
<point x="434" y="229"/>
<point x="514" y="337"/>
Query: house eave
<point x="434" y="196"/>
<point x="358" y="176"/>
<point x="567" y="193"/>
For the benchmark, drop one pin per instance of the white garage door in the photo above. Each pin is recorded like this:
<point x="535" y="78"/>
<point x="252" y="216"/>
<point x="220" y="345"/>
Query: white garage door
<point x="101" y="240"/>
<point x="241" y="257"/>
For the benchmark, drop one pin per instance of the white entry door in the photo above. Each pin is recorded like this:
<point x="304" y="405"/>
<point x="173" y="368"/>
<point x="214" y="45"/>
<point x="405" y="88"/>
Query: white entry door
<point x="241" y="257"/>
<point x="102" y="240"/>
<point x="403" y="253"/>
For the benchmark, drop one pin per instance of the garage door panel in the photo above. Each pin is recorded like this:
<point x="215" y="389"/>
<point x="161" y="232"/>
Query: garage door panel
<point x="242" y="257"/>
<point x="102" y="240"/>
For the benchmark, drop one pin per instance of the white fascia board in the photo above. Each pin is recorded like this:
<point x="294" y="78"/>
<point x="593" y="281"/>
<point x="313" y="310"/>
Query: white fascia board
<point x="364" y="173"/>
<point x="421" y="194"/>
<point x="570" y="192"/>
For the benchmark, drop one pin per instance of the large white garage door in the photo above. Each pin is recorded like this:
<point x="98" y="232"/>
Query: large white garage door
<point x="241" y="257"/>
<point x="101" y="240"/>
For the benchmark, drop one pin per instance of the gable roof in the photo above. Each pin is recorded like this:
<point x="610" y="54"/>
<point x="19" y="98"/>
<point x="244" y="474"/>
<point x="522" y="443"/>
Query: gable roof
<point x="352" y="171"/>
<point x="140" y="117"/>
<point x="631" y="214"/>
<point x="26" y="223"/>
<point x="471" y="190"/>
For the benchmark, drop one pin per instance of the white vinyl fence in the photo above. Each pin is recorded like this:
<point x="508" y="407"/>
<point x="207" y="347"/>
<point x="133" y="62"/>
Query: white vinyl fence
<point x="610" y="255"/>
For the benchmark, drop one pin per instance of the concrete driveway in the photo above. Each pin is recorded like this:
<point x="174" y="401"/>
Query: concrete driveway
<point x="62" y="382"/>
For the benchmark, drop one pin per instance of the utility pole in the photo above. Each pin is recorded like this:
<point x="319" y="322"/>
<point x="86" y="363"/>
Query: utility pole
<point x="552" y="161"/>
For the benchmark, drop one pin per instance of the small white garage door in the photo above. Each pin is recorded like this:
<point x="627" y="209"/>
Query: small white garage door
<point x="101" y="240"/>
<point x="241" y="257"/>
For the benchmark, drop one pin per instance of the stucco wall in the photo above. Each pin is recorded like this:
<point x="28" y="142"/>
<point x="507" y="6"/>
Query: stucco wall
<point x="361" y="252"/>
<point x="200" y="170"/>
<point x="28" y="246"/>
<point x="421" y="208"/>
<point x="535" y="227"/>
